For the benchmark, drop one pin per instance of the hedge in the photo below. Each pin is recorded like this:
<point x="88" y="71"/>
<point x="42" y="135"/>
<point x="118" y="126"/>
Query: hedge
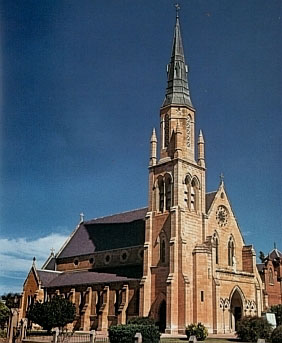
<point x="126" y="333"/>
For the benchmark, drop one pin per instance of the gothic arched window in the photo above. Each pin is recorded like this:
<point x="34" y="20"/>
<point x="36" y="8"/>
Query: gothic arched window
<point x="162" y="250"/>
<point x="271" y="279"/>
<point x="216" y="243"/>
<point x="194" y="194"/>
<point x="161" y="195"/>
<point x="231" y="252"/>
<point x="168" y="191"/>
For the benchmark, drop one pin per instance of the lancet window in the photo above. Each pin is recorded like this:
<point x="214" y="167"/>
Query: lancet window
<point x="231" y="251"/>
<point x="271" y="279"/>
<point x="192" y="193"/>
<point x="164" y="194"/>
<point x="216" y="244"/>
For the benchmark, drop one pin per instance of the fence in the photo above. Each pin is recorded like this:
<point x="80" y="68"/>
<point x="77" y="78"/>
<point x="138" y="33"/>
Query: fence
<point x="65" y="337"/>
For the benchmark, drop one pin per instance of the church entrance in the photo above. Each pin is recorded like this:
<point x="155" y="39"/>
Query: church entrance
<point x="162" y="316"/>
<point x="236" y="310"/>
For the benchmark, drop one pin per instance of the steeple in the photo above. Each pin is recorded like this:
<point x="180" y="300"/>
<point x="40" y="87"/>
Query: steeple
<point x="177" y="91"/>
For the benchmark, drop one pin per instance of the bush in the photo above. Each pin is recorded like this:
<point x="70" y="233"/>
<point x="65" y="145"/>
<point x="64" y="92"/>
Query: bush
<point x="56" y="312"/>
<point x="198" y="330"/>
<point x="249" y="329"/>
<point x="4" y="315"/>
<point x="276" y="336"/>
<point x="126" y="333"/>
<point x="141" y="321"/>
<point x="277" y="310"/>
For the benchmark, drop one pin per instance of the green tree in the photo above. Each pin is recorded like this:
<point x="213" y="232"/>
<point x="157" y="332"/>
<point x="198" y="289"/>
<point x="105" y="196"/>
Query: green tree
<point x="250" y="329"/>
<point x="4" y="314"/>
<point x="277" y="310"/>
<point x="55" y="313"/>
<point x="261" y="256"/>
<point x="12" y="300"/>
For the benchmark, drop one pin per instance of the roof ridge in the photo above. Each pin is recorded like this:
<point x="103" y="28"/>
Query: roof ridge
<point x="114" y="214"/>
<point x="49" y="271"/>
<point x="211" y="192"/>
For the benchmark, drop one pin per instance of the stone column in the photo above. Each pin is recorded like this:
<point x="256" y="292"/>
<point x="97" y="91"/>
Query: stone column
<point x="104" y="310"/>
<point x="123" y="305"/>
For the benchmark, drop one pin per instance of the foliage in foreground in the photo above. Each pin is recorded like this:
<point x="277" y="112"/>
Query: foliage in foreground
<point x="126" y="333"/>
<point x="4" y="314"/>
<point x="276" y="336"/>
<point x="250" y="329"/>
<point x="277" y="310"/>
<point x="12" y="300"/>
<point x="198" y="330"/>
<point x="55" y="313"/>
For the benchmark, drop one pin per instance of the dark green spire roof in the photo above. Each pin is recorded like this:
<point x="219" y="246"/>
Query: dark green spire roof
<point x="177" y="92"/>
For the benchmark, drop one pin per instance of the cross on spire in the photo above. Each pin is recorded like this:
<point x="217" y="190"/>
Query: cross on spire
<point x="177" y="6"/>
<point x="221" y="178"/>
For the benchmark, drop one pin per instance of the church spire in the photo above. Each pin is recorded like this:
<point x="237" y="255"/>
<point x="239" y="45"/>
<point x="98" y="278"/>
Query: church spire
<point x="177" y="91"/>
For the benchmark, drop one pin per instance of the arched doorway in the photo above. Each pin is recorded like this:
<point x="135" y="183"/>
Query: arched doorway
<point x="236" y="309"/>
<point x="162" y="316"/>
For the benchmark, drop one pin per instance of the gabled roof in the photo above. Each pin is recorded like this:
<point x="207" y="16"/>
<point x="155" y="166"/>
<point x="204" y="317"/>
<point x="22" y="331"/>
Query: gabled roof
<point x="209" y="200"/>
<point x="120" y="230"/>
<point x="274" y="254"/>
<point x="260" y="267"/>
<point x="46" y="276"/>
<point x="85" y="277"/>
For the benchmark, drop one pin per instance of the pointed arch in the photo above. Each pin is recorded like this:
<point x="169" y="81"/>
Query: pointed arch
<point x="216" y="245"/>
<point x="168" y="191"/>
<point x="195" y="190"/>
<point x="270" y="276"/>
<point x="231" y="251"/>
<point x="163" y="247"/>
<point x="237" y="301"/>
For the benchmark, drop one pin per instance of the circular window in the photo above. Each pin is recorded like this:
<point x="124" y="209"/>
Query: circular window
<point x="124" y="256"/>
<point x="107" y="258"/>
<point x="76" y="262"/>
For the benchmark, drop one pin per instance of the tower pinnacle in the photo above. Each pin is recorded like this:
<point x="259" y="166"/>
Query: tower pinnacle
<point x="177" y="91"/>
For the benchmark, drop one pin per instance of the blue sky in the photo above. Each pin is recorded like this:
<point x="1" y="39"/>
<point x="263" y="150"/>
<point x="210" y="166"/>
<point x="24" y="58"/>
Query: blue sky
<point x="81" y="87"/>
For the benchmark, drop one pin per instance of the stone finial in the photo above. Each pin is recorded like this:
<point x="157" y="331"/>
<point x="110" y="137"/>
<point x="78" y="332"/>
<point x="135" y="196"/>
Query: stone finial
<point x="81" y="217"/>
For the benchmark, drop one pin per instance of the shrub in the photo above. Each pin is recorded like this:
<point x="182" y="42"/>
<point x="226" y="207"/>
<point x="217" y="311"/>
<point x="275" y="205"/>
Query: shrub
<point x="249" y="329"/>
<point x="56" y="312"/>
<point x="198" y="330"/>
<point x="276" y="336"/>
<point x="141" y="321"/>
<point x="126" y="333"/>
<point x="277" y="310"/>
<point x="4" y="315"/>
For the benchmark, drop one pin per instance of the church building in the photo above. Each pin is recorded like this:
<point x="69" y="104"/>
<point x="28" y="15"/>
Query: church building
<point x="180" y="260"/>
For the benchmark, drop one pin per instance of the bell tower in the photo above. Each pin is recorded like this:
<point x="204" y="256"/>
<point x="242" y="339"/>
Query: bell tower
<point x="175" y="222"/>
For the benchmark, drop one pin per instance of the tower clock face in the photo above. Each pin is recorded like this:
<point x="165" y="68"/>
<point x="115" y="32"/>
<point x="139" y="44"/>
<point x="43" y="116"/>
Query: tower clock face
<point x="221" y="216"/>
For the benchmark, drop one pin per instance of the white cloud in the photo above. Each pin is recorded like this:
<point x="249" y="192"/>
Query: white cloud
<point x="16" y="254"/>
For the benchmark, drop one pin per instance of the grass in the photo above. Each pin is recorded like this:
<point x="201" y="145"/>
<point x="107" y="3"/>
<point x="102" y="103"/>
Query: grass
<point x="208" y="340"/>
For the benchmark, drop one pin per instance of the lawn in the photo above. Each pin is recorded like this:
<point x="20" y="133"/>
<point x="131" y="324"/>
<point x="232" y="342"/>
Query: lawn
<point x="208" y="340"/>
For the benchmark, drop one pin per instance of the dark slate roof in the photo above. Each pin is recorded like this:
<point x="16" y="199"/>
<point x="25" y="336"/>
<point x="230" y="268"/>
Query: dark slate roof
<point x="113" y="232"/>
<point x="209" y="199"/>
<point x="85" y="277"/>
<point x="47" y="276"/>
<point x="274" y="254"/>
<point x="50" y="263"/>
<point x="260" y="267"/>
<point x="124" y="217"/>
